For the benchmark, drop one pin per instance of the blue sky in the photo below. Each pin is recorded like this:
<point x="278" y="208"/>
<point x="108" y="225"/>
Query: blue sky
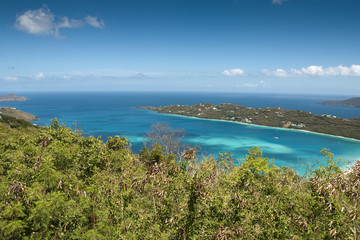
<point x="275" y="46"/>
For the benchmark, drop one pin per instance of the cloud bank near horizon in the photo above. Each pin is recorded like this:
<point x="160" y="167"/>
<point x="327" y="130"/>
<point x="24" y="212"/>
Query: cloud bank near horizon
<point x="315" y="71"/>
<point x="312" y="70"/>
<point x="43" y="22"/>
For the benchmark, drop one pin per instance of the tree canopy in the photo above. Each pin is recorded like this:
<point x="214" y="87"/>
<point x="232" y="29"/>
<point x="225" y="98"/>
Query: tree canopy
<point x="54" y="184"/>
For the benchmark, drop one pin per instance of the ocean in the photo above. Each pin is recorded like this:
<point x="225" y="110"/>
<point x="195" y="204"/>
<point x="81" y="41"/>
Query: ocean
<point x="113" y="113"/>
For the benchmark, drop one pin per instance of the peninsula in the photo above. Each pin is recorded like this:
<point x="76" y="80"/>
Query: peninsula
<point x="12" y="98"/>
<point x="353" y="102"/>
<point x="13" y="112"/>
<point x="272" y="117"/>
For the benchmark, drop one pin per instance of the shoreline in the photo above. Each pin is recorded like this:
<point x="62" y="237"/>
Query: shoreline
<point x="261" y="126"/>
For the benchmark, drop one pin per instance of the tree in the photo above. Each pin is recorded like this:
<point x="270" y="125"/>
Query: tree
<point x="165" y="136"/>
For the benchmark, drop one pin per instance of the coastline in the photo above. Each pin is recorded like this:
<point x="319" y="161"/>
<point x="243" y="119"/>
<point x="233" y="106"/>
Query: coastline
<point x="260" y="126"/>
<point x="18" y="114"/>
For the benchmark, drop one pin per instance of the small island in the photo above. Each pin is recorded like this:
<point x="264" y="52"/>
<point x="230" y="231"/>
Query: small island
<point x="353" y="102"/>
<point x="272" y="117"/>
<point x="13" y="112"/>
<point x="12" y="98"/>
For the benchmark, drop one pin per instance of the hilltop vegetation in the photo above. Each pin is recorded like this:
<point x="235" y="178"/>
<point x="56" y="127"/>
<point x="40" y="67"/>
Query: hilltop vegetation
<point x="54" y="183"/>
<point x="13" y="112"/>
<point x="272" y="117"/>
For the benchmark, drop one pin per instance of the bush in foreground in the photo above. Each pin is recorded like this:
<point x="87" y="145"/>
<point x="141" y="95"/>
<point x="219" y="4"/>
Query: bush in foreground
<point x="55" y="183"/>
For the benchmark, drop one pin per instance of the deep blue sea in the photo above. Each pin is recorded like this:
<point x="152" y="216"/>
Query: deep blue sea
<point x="112" y="113"/>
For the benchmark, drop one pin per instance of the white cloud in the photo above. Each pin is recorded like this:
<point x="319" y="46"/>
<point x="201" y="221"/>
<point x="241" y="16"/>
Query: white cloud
<point x="93" y="21"/>
<point x="38" y="22"/>
<point x="355" y="70"/>
<point x="66" y="77"/>
<point x="72" y="23"/>
<point x="43" y="22"/>
<point x="234" y="72"/>
<point x="39" y="75"/>
<point x="277" y="73"/>
<point x="254" y="85"/>
<point x="11" y="78"/>
<point x="278" y="1"/>
<point x="313" y="70"/>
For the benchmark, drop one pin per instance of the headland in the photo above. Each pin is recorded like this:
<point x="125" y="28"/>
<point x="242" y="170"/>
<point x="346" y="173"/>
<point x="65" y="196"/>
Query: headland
<point x="353" y="102"/>
<point x="13" y="112"/>
<point x="270" y="117"/>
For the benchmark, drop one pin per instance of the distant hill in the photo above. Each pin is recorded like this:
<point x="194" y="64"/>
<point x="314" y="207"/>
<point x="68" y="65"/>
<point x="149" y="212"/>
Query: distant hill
<point x="354" y="102"/>
<point x="12" y="97"/>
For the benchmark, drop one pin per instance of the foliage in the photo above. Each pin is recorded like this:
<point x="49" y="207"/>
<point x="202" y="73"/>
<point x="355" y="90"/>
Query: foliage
<point x="14" y="122"/>
<point x="15" y="113"/>
<point x="55" y="183"/>
<point x="163" y="135"/>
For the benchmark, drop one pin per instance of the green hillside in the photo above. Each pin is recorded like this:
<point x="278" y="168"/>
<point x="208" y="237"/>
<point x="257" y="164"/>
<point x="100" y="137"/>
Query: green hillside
<point x="56" y="184"/>
<point x="13" y="112"/>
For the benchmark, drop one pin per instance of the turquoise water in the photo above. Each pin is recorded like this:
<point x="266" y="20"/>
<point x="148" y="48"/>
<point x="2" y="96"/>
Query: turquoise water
<point x="109" y="114"/>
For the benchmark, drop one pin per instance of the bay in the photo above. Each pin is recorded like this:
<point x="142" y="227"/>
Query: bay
<point x="113" y="113"/>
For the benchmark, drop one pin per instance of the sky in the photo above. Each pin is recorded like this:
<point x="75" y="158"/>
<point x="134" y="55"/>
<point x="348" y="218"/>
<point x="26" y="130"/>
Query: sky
<point x="263" y="46"/>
